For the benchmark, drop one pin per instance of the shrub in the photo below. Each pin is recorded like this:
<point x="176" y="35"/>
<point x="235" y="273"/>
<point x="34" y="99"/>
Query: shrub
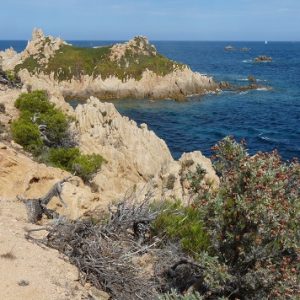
<point x="34" y="102"/>
<point x="63" y="157"/>
<point x="87" y="165"/>
<point x="183" y="224"/>
<point x="70" y="159"/>
<point x="253" y="222"/>
<point x="37" y="110"/>
<point x="72" y="62"/>
<point x="174" y="296"/>
<point x="57" y="126"/>
<point x="27" y="135"/>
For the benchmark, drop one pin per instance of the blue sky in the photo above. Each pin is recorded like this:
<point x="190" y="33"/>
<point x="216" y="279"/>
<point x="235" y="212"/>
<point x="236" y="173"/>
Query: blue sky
<point x="157" y="19"/>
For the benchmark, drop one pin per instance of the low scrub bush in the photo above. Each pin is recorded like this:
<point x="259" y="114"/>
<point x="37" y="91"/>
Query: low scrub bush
<point x="34" y="102"/>
<point x="70" y="159"/>
<point x="251" y="223"/>
<point x="27" y="134"/>
<point x="184" y="224"/>
<point x="36" y="109"/>
<point x="43" y="130"/>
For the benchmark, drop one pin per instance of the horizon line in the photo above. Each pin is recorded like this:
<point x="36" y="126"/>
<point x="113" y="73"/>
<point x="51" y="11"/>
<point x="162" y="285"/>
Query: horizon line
<point x="161" y="40"/>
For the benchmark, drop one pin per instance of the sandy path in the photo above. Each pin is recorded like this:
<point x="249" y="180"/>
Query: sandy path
<point x="31" y="272"/>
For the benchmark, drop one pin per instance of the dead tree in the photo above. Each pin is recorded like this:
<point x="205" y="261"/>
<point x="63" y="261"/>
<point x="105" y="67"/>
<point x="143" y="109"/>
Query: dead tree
<point x="38" y="206"/>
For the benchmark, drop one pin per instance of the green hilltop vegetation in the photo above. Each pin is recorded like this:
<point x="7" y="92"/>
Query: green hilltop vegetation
<point x="71" y="62"/>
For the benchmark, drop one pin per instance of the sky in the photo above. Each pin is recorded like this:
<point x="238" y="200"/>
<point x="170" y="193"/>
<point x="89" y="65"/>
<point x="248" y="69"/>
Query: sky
<point x="208" y="20"/>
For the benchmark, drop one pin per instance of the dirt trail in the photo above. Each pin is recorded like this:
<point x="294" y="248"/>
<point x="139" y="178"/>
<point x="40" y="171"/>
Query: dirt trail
<point x="28" y="271"/>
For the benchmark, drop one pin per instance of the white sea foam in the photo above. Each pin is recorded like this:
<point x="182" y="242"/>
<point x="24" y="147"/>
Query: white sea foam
<point x="262" y="89"/>
<point x="247" y="61"/>
<point x="258" y="80"/>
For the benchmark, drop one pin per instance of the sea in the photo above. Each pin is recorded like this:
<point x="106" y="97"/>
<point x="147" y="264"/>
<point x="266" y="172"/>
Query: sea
<point x="266" y="119"/>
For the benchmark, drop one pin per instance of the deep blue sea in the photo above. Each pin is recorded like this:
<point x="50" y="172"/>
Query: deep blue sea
<point x="266" y="119"/>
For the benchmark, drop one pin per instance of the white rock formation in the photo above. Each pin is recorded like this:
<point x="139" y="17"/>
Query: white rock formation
<point x="39" y="44"/>
<point x="138" y="45"/>
<point x="20" y="175"/>
<point x="135" y="156"/>
<point x="177" y="84"/>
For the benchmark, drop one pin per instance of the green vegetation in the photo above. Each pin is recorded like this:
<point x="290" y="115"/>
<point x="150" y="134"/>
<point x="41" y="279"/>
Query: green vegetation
<point x="43" y="130"/>
<point x="72" y="62"/>
<point x="37" y="110"/>
<point x="246" y="235"/>
<point x="183" y="224"/>
<point x="27" y="134"/>
<point x="70" y="159"/>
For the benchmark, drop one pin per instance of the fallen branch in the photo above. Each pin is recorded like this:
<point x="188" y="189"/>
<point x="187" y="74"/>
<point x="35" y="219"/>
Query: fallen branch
<point x="36" y="207"/>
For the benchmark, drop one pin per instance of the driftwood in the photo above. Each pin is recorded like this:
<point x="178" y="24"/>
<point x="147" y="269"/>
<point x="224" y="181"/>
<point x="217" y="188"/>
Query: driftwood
<point x="38" y="206"/>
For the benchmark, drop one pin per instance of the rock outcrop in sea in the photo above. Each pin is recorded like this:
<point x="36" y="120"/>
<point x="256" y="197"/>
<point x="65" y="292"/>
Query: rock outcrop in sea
<point x="134" y="69"/>
<point x="263" y="58"/>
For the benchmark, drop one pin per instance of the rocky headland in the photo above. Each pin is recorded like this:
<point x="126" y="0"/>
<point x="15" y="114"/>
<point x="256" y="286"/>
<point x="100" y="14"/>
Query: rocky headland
<point x="134" y="69"/>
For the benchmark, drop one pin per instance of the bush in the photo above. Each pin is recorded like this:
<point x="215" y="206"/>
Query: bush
<point x="253" y="223"/>
<point x="36" y="109"/>
<point x="27" y="135"/>
<point x="183" y="224"/>
<point x="70" y="159"/>
<point x="63" y="157"/>
<point x="87" y="165"/>
<point x="57" y="127"/>
<point x="174" y="296"/>
<point x="34" y="102"/>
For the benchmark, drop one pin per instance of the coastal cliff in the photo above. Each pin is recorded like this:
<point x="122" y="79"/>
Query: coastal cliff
<point x="134" y="69"/>
<point x="137" y="161"/>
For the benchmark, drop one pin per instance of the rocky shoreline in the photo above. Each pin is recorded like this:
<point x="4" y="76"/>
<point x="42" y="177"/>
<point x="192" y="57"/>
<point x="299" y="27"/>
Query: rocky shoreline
<point x="176" y="81"/>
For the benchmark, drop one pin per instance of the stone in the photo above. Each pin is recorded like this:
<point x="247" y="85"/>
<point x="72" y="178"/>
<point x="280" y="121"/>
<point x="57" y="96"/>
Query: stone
<point x="135" y="156"/>
<point x="98" y="294"/>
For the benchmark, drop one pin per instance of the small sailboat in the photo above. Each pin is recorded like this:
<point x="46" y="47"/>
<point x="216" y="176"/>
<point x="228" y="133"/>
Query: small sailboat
<point x="266" y="42"/>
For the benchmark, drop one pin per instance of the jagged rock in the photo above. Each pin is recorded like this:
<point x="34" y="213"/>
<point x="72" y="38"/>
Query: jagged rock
<point x="263" y="58"/>
<point x="20" y="175"/>
<point x="135" y="156"/>
<point x="139" y="45"/>
<point x="40" y="47"/>
<point x="176" y="85"/>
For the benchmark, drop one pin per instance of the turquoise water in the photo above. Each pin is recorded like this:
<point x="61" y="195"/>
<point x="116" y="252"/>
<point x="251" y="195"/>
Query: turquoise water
<point x="266" y="119"/>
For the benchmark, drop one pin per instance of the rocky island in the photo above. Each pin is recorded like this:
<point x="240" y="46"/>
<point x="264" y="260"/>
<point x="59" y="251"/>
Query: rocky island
<point x="134" y="69"/>
<point x="263" y="58"/>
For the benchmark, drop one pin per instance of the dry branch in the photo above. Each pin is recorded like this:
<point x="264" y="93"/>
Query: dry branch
<point x="36" y="207"/>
